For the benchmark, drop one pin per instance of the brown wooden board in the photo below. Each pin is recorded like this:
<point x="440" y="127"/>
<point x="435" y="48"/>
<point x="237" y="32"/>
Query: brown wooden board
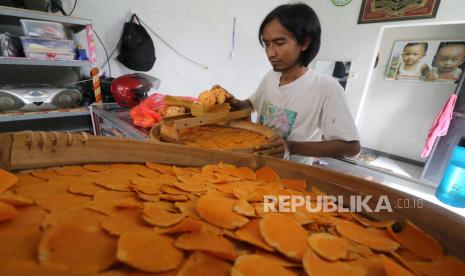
<point x="32" y="150"/>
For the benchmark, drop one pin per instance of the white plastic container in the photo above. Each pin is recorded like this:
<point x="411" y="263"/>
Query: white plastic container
<point x="45" y="29"/>
<point x="49" y="56"/>
<point x="42" y="45"/>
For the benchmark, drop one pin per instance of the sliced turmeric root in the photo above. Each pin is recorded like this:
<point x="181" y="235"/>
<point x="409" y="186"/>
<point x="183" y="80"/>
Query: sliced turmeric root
<point x="61" y="201"/>
<point x="200" y="264"/>
<point x="15" y="199"/>
<point x="72" y="171"/>
<point x="360" y="235"/>
<point x="246" y="174"/>
<point x="314" y="265"/>
<point x="148" y="251"/>
<point x="258" y="265"/>
<point x="372" y="223"/>
<point x="328" y="246"/>
<point x="209" y="242"/>
<point x="420" y="243"/>
<point x="219" y="211"/>
<point x="285" y="234"/>
<point x="7" y="212"/>
<point x="266" y="174"/>
<point x="126" y="220"/>
<point x="244" y="208"/>
<point x="394" y="269"/>
<point x="251" y="233"/>
<point x="7" y="180"/>
<point x="79" y="215"/>
<point x="77" y="248"/>
<point x="447" y="265"/>
<point x="157" y="214"/>
<point x="186" y="225"/>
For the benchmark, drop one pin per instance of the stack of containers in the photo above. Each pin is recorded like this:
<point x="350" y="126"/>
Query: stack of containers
<point x="46" y="40"/>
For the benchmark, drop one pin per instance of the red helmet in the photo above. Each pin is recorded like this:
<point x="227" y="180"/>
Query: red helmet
<point x="129" y="90"/>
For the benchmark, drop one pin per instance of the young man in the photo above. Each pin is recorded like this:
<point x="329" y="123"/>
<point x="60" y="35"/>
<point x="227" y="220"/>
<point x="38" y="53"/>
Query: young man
<point x="308" y="109"/>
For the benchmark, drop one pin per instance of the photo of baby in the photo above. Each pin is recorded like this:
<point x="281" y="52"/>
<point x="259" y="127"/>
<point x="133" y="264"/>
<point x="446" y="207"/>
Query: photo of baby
<point x="447" y="61"/>
<point x="433" y="61"/>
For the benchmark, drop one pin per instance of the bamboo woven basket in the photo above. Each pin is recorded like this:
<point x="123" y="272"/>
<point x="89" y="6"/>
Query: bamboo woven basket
<point x="275" y="147"/>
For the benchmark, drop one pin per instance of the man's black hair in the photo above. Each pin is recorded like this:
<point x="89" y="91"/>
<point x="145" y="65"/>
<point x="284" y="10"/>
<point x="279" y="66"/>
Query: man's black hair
<point x="300" y="20"/>
<point x="411" y="44"/>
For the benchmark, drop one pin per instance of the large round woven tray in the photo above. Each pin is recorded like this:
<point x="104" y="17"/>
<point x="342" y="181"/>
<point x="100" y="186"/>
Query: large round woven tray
<point x="273" y="147"/>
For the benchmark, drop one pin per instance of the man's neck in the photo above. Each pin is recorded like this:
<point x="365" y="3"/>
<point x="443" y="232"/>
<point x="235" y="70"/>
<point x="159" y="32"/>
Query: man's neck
<point x="292" y="74"/>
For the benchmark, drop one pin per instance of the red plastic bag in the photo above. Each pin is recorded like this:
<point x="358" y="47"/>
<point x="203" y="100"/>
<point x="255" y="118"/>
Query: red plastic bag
<point x="151" y="110"/>
<point x="148" y="112"/>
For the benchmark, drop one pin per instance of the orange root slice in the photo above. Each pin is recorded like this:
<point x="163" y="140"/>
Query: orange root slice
<point x="126" y="220"/>
<point x="251" y="233"/>
<point x="77" y="248"/>
<point x="394" y="269"/>
<point x="7" y="212"/>
<point x="148" y="251"/>
<point x="285" y="234"/>
<point x="61" y="201"/>
<point x="362" y="236"/>
<point x="417" y="241"/>
<point x="372" y="223"/>
<point x="328" y="246"/>
<point x="186" y="225"/>
<point x="209" y="242"/>
<point x="258" y="265"/>
<point x="7" y="180"/>
<point x="15" y="199"/>
<point x="266" y="174"/>
<point x="200" y="264"/>
<point x="219" y="211"/>
<point x="244" y="208"/>
<point x="157" y="214"/>
<point x="314" y="265"/>
<point x="72" y="171"/>
<point x="79" y="216"/>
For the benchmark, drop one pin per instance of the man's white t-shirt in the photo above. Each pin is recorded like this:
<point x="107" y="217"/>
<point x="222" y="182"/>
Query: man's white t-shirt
<point x="311" y="108"/>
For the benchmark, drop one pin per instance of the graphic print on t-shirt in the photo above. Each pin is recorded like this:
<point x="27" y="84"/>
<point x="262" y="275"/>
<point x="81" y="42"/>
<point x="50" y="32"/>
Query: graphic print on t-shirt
<point x="280" y="119"/>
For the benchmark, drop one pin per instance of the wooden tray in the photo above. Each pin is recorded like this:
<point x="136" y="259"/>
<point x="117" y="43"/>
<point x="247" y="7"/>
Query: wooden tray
<point x="32" y="150"/>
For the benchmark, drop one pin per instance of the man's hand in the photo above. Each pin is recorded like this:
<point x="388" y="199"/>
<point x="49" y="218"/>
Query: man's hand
<point x="276" y="147"/>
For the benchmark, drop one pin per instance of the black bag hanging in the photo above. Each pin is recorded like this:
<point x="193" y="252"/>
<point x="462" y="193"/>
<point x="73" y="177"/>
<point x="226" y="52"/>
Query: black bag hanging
<point x="137" y="51"/>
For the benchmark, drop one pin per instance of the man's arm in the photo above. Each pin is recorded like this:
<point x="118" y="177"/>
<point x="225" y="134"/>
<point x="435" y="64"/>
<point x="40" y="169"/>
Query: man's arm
<point x="333" y="148"/>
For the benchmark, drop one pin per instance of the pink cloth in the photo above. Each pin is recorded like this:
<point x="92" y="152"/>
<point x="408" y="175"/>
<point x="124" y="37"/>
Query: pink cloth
<point x="440" y="125"/>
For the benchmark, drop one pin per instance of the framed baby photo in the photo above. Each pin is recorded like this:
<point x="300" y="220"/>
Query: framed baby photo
<point x="374" y="11"/>
<point x="427" y="61"/>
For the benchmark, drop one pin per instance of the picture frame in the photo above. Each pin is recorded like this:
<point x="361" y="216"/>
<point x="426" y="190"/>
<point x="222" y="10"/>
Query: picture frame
<point x="375" y="11"/>
<point x="427" y="61"/>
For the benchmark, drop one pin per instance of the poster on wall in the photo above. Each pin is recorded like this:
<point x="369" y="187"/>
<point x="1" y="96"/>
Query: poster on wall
<point x="431" y="61"/>
<point x="374" y="11"/>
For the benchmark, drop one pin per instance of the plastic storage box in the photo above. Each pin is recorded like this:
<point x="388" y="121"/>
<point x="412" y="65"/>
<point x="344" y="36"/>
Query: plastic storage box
<point x="110" y="119"/>
<point x="45" y="29"/>
<point x="42" y="45"/>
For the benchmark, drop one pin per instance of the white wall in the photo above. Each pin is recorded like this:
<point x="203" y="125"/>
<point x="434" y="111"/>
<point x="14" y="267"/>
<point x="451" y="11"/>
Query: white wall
<point x="398" y="114"/>
<point x="201" y="29"/>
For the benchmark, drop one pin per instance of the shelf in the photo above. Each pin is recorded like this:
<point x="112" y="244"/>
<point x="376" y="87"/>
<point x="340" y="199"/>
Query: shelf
<point x="40" y="62"/>
<point x="13" y="15"/>
<point x="10" y="117"/>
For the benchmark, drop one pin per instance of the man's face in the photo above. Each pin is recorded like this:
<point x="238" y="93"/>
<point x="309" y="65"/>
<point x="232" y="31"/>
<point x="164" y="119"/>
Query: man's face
<point x="281" y="47"/>
<point x="413" y="54"/>
<point x="450" y="58"/>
